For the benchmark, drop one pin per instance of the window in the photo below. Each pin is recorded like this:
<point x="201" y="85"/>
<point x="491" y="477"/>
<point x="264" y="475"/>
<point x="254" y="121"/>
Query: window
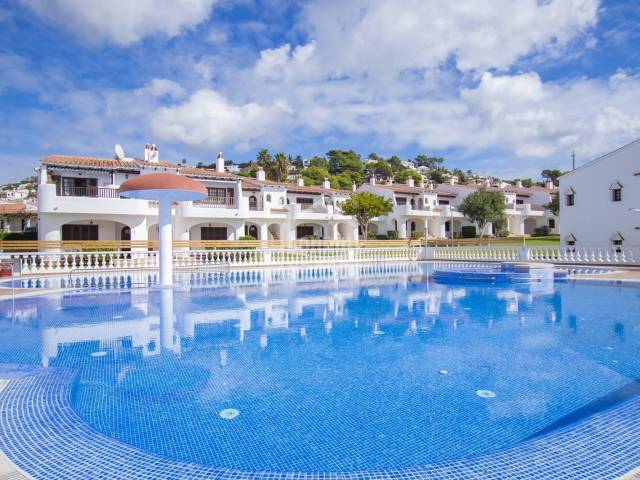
<point x="443" y="202"/>
<point x="617" y="242"/>
<point x="304" y="203"/>
<point x="571" y="243"/>
<point x="78" y="187"/>
<point x="253" y="203"/>
<point x="268" y="197"/>
<point x="552" y="223"/>
<point x="519" y="201"/>
<point x="213" y="233"/>
<point x="80" y="232"/>
<point x="304" y="231"/>
<point x="571" y="200"/>
<point x="616" y="194"/>
<point x="401" y="201"/>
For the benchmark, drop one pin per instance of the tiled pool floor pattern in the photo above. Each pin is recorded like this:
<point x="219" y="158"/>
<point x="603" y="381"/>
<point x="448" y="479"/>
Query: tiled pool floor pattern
<point x="42" y="434"/>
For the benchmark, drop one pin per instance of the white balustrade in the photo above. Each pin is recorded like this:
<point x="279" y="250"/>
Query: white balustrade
<point x="36" y="263"/>
<point x="607" y="255"/>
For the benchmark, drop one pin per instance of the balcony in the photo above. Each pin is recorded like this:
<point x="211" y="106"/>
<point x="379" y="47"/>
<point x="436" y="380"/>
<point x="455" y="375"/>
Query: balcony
<point x="93" y="192"/>
<point x="216" y="202"/>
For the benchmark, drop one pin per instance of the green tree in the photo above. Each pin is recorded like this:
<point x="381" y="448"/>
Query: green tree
<point x="427" y="161"/>
<point x="315" y="175"/>
<point x="437" y="175"/>
<point x="403" y="175"/>
<point x="318" y="161"/>
<point x="395" y="163"/>
<point x="346" y="161"/>
<point x="462" y="177"/>
<point x="554" y="205"/>
<point x="342" y="181"/>
<point x="380" y="168"/>
<point x="552" y="175"/>
<point x="364" y="206"/>
<point x="280" y="168"/>
<point x="482" y="207"/>
<point x="264" y="158"/>
<point x="297" y="162"/>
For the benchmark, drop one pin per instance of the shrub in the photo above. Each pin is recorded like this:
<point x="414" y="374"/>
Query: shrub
<point x="372" y="235"/>
<point x="247" y="237"/>
<point x="392" y="234"/>
<point x="502" y="233"/>
<point x="381" y="237"/>
<point x="541" y="231"/>
<point x="416" y="234"/>
<point x="469" y="231"/>
<point x="20" y="236"/>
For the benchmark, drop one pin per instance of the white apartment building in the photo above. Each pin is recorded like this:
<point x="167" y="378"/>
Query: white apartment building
<point x="600" y="201"/>
<point x="78" y="199"/>
<point x="434" y="211"/>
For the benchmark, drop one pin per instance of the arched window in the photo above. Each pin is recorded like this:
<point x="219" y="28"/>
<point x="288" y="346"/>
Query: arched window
<point x="253" y="202"/>
<point x="268" y="198"/>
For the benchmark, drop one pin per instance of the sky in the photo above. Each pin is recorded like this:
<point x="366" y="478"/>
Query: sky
<point x="502" y="87"/>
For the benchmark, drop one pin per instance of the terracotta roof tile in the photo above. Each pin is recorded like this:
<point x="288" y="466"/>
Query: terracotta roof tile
<point x="402" y="188"/>
<point x="17" y="209"/>
<point x="103" y="163"/>
<point x="206" y="173"/>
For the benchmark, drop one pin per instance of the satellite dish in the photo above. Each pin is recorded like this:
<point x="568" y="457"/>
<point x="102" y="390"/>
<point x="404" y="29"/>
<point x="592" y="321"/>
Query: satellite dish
<point x="119" y="151"/>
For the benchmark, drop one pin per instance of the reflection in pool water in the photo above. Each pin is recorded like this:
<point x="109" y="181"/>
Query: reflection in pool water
<point x="330" y="369"/>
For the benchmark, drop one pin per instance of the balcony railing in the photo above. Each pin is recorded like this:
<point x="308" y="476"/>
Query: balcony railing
<point x="216" y="202"/>
<point x="97" y="192"/>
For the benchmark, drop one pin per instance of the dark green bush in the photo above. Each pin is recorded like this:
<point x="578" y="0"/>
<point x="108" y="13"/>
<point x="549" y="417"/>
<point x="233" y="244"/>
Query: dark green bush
<point x="541" y="231"/>
<point x="20" y="236"/>
<point x="469" y="231"/>
<point x="392" y="234"/>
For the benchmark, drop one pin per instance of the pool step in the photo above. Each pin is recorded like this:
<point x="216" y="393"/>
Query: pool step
<point x="622" y="394"/>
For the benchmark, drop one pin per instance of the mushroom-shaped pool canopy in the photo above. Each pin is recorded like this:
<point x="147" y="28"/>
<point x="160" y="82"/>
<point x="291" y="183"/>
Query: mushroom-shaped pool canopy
<point x="163" y="186"/>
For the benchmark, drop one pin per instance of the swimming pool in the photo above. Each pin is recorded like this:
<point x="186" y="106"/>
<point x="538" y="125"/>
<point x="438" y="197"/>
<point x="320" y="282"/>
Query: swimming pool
<point x="329" y="369"/>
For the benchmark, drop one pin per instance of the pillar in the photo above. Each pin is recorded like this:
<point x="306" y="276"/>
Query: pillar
<point x="402" y="229"/>
<point x="165" y="236"/>
<point x="264" y="232"/>
<point x="167" y="328"/>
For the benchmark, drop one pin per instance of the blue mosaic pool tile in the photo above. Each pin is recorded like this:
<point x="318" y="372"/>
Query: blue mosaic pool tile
<point x="44" y="437"/>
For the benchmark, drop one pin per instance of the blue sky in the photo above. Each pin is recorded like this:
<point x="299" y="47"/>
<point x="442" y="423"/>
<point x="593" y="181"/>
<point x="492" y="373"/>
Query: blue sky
<point x="506" y="87"/>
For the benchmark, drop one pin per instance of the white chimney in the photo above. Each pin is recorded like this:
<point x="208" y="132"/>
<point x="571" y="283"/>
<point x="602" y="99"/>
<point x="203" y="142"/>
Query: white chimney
<point x="326" y="184"/>
<point x="421" y="183"/>
<point x="550" y="185"/>
<point x="372" y="179"/>
<point x="487" y="182"/>
<point x="452" y="181"/>
<point x="220" y="162"/>
<point x="431" y="185"/>
<point x="410" y="182"/>
<point x="300" y="182"/>
<point x="519" y="184"/>
<point x="151" y="153"/>
<point x="354" y="187"/>
<point x="260" y="175"/>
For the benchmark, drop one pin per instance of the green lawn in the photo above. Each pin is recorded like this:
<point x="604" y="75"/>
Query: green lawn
<point x="551" y="240"/>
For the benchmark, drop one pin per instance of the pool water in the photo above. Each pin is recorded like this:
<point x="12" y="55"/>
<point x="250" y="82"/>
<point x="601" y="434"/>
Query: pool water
<point x="330" y="369"/>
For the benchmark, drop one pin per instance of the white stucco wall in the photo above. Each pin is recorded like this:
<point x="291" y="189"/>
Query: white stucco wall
<point x="595" y="217"/>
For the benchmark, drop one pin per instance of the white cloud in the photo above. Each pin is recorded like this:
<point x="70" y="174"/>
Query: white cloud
<point x="387" y="35"/>
<point x="122" y="22"/>
<point x="208" y="119"/>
